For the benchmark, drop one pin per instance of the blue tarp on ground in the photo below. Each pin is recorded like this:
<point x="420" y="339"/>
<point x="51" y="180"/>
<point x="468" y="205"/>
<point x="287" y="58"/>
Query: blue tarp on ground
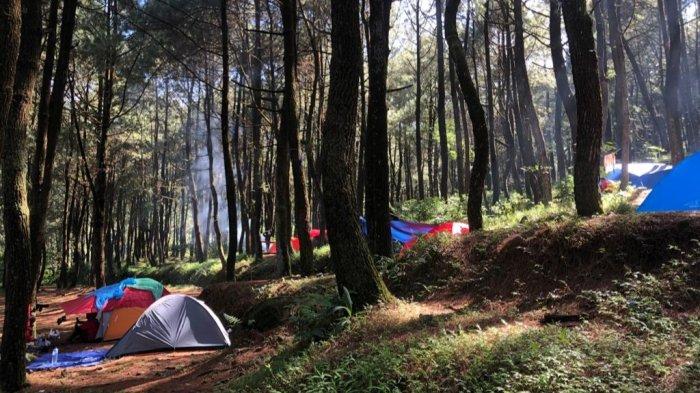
<point x="679" y="191"/>
<point x="69" y="359"/>
<point x="642" y="174"/>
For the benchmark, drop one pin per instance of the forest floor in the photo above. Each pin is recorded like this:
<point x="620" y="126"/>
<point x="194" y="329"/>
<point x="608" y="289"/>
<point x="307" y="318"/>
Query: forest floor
<point x="606" y="304"/>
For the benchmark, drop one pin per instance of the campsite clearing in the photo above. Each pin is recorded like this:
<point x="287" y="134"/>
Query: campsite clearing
<point x="158" y="371"/>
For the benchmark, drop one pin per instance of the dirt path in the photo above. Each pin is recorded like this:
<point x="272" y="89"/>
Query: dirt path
<point x="162" y="371"/>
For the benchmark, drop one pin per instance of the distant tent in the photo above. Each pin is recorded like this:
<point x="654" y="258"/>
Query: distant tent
<point x="642" y="174"/>
<point x="408" y="232"/>
<point x="173" y="322"/>
<point x="679" y="191"/>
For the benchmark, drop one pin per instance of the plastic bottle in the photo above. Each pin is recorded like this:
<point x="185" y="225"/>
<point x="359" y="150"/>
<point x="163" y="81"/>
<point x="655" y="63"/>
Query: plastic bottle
<point x="54" y="356"/>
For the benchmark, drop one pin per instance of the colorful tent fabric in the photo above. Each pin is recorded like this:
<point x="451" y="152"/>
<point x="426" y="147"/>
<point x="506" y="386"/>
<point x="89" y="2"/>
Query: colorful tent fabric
<point x="173" y="322"/>
<point x="130" y="292"/>
<point x="118" y="322"/>
<point x="642" y="174"/>
<point x="294" y="241"/>
<point x="451" y="227"/>
<point x="69" y="359"/>
<point x="679" y="191"/>
<point x="402" y="230"/>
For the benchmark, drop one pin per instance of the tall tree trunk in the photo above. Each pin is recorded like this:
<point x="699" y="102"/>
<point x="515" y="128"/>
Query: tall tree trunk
<point x="18" y="277"/>
<point x="671" y="89"/>
<point x="282" y="197"/>
<point x="47" y="133"/>
<point x="256" y="119"/>
<point x="350" y="255"/>
<point x="226" y="149"/>
<point x="646" y="96"/>
<point x="419" y="150"/>
<point x="476" y="114"/>
<point x="442" y="128"/>
<point x="191" y="185"/>
<point x="622" y="118"/>
<point x="559" y="140"/>
<point x="531" y="124"/>
<point x="457" y="116"/>
<point x="495" y="178"/>
<point x="601" y="50"/>
<point x="376" y="153"/>
<point x="208" y="103"/>
<point x="584" y="67"/>
<point x="290" y="127"/>
<point x="559" y="64"/>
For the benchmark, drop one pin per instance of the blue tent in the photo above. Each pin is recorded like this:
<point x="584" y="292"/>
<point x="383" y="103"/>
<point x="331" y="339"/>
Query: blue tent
<point x="642" y="174"/>
<point x="679" y="191"/>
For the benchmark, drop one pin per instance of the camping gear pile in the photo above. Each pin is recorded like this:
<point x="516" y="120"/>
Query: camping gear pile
<point x="118" y="306"/>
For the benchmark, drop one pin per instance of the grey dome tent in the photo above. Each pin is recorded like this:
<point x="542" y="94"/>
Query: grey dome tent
<point x="173" y="322"/>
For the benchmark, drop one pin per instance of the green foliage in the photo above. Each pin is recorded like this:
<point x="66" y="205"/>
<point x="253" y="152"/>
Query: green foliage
<point x="434" y="209"/>
<point x="617" y="203"/>
<point x="318" y="316"/>
<point x="507" y="359"/>
<point x="194" y="273"/>
<point x="638" y="342"/>
<point x="322" y="259"/>
<point x="638" y="302"/>
<point x="231" y="321"/>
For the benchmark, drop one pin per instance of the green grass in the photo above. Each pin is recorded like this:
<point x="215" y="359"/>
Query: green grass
<point x="502" y="358"/>
<point x="209" y="271"/>
<point x="639" y="342"/>
<point x="179" y="272"/>
<point x="515" y="210"/>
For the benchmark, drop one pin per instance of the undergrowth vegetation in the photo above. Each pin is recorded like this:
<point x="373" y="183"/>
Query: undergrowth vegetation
<point x="645" y="338"/>
<point x="511" y="211"/>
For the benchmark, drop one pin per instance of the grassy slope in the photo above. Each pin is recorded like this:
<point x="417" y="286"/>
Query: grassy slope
<point x="470" y="318"/>
<point x="645" y="337"/>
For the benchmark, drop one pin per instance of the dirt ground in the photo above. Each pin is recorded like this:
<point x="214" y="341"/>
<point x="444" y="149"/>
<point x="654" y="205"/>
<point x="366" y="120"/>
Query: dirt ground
<point x="161" y="371"/>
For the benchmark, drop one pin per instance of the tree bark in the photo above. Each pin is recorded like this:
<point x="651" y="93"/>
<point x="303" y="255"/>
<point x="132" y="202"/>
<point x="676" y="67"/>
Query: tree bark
<point x="531" y="124"/>
<point x="476" y="114"/>
<point x="459" y="130"/>
<point x="48" y="131"/>
<point x="350" y="255"/>
<point x="419" y="150"/>
<point x="622" y="118"/>
<point x="191" y="185"/>
<point x="229" y="177"/>
<point x="376" y="151"/>
<point x="584" y="67"/>
<point x="208" y="102"/>
<point x="601" y="50"/>
<point x="23" y="45"/>
<point x="644" y="89"/>
<point x="256" y="119"/>
<point x="442" y="128"/>
<point x="290" y="127"/>
<point x="671" y="89"/>
<point x="495" y="178"/>
<point x="282" y="202"/>
<point x="559" y="64"/>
